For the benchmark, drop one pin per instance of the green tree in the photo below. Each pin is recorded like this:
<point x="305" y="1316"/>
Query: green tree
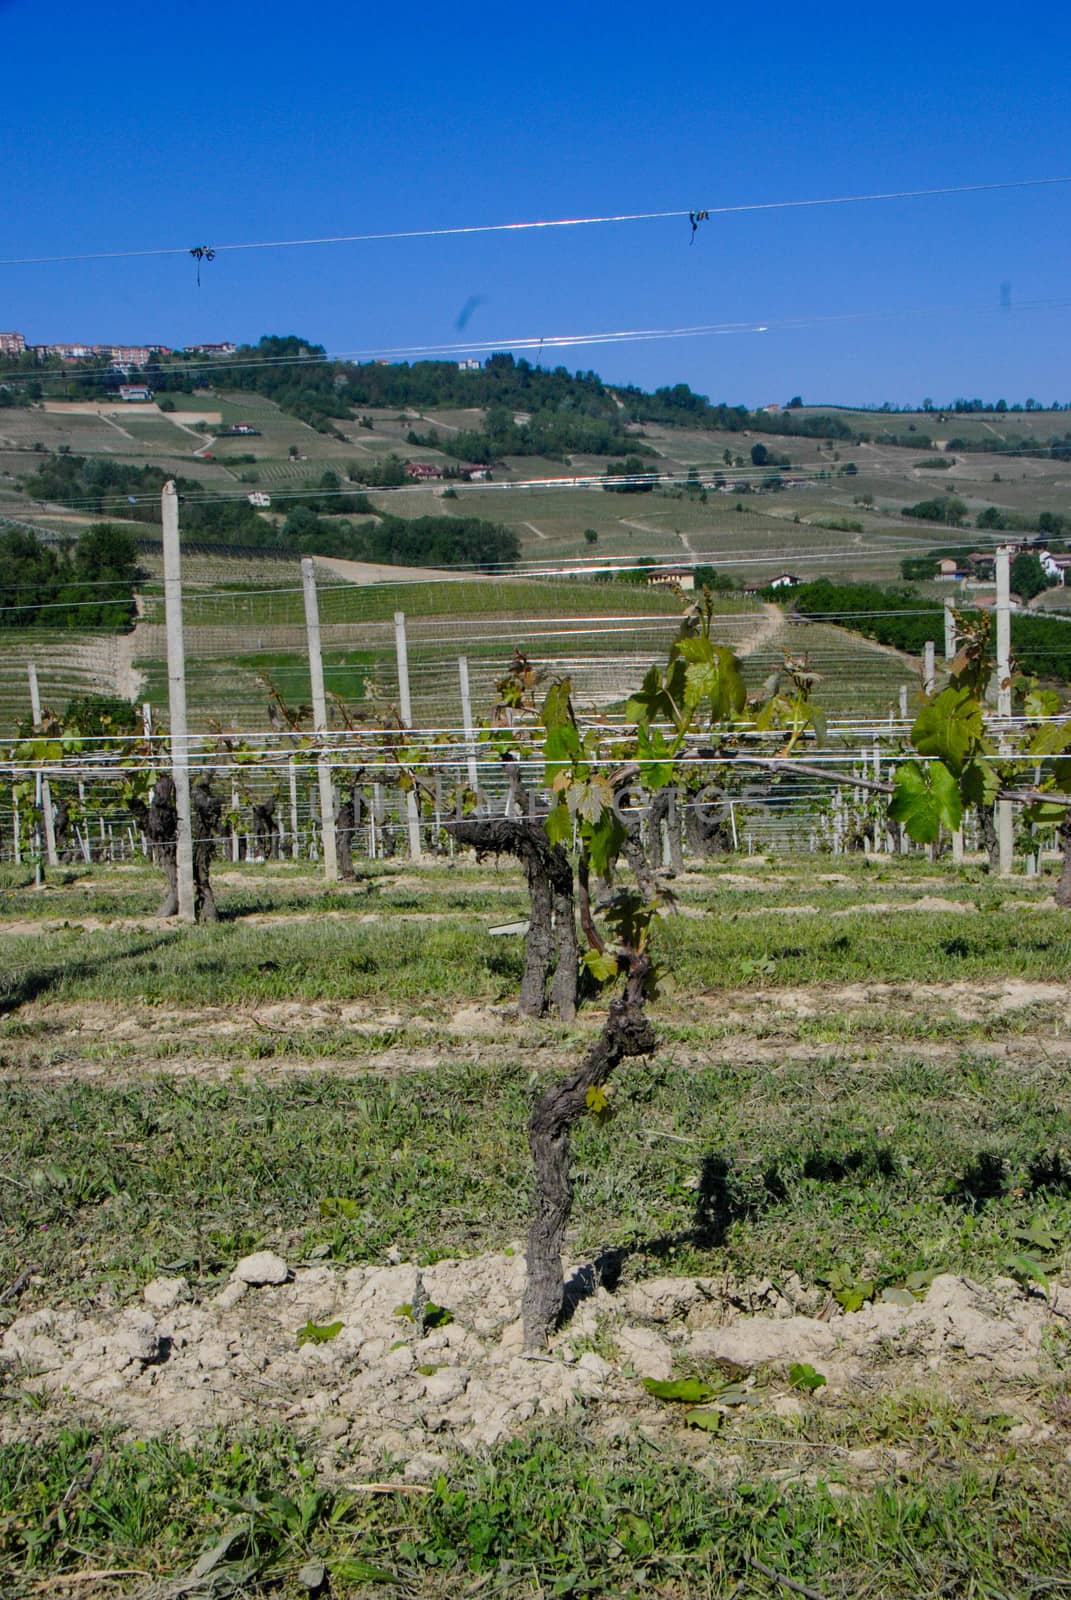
<point x="31" y="578"/>
<point x="917" y="569"/>
<point x="1028" y="575"/>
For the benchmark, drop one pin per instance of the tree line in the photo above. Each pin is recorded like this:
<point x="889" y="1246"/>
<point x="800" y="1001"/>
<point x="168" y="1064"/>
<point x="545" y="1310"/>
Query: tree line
<point x="314" y="522"/>
<point x="85" y="584"/>
<point x="901" y="617"/>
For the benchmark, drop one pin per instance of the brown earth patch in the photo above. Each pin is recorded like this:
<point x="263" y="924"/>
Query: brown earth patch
<point x="189" y="1360"/>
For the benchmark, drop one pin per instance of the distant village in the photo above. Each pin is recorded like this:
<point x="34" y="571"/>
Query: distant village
<point x="122" y="356"/>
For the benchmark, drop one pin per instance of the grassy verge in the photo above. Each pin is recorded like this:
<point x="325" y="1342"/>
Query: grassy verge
<point x="559" y="1513"/>
<point x="798" y="1166"/>
<point x="456" y="958"/>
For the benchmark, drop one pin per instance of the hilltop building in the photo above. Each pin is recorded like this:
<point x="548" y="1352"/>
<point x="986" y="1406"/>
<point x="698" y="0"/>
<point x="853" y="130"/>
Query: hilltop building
<point x="12" y="344"/>
<point x="683" y="577"/>
<point x="120" y="355"/>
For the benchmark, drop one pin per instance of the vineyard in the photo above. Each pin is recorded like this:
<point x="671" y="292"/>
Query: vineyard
<point x="583" y="1090"/>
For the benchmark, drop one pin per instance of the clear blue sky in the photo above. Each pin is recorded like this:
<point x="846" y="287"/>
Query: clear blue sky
<point x="128" y="125"/>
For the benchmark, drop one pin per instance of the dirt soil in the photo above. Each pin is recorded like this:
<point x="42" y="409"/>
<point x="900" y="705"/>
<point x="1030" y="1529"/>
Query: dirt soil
<point x="176" y="1362"/>
<point x="101" y="1042"/>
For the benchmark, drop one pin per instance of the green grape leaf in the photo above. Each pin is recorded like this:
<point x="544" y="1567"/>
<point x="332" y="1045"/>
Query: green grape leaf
<point x="598" y="1102"/>
<point x="602" y="964"/>
<point x="651" y="703"/>
<point x="655" y="757"/>
<point x="590" y="798"/>
<point x="558" y="823"/>
<point x="560" y="749"/>
<point x="604" y="840"/>
<point x="313" y="1333"/>
<point x="1051" y="739"/>
<point x="801" y="1375"/>
<point x="557" y="711"/>
<point x="978" y="784"/>
<point x="716" y="680"/>
<point x="1044" y="811"/>
<point x="690" y="1391"/>
<point x="694" y="648"/>
<point x="923" y="798"/>
<point x="1043" y="703"/>
<point x="1028" y="1269"/>
<point x="950" y="727"/>
<point x="701" y="1417"/>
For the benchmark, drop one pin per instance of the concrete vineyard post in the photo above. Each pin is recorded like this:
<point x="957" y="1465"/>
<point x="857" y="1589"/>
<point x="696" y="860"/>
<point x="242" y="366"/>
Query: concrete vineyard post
<point x="929" y="678"/>
<point x="319" y="719"/>
<point x="950" y="627"/>
<point x="291" y="773"/>
<point x="467" y="723"/>
<point x="401" y="650"/>
<point x="45" y="796"/>
<point x="1005" y="824"/>
<point x="176" y="691"/>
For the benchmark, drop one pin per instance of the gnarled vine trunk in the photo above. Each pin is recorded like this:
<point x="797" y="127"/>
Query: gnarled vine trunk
<point x="626" y="1032"/>
<point x="1062" y="892"/>
<point x="61" y="829"/>
<point x="665" y="812"/>
<point x="346" y="825"/>
<point x="708" y="827"/>
<point x="987" y="829"/>
<point x="551" y="939"/>
<point x="265" y="829"/>
<point x="159" y="822"/>
<point x="344" y="830"/>
<point x="206" y="809"/>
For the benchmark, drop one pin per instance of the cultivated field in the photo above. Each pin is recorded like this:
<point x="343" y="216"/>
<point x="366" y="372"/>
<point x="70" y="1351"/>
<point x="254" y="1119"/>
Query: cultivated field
<point x="858" y="1099"/>
<point x="746" y="534"/>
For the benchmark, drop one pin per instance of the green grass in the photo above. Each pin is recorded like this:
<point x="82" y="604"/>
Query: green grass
<point x="276" y="599"/>
<point x="456" y="959"/>
<point x="761" y="1138"/>
<point x="560" y="1513"/>
<point x="888" y="1164"/>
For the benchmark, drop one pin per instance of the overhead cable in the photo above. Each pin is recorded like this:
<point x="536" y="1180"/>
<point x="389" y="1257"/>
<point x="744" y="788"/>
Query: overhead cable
<point x="537" y="225"/>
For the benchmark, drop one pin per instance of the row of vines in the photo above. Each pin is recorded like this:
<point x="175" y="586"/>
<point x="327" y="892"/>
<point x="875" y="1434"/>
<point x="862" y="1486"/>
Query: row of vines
<point x="596" y="814"/>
